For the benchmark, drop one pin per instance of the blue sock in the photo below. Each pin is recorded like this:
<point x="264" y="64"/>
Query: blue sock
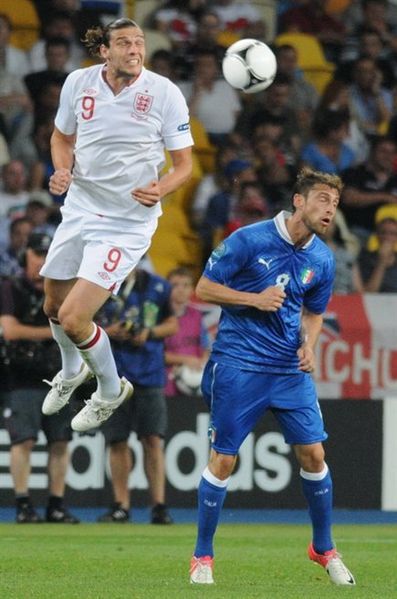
<point x="210" y="502"/>
<point x="318" y="493"/>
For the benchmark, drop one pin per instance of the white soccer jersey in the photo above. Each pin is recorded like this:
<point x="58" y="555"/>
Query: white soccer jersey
<point x="120" y="139"/>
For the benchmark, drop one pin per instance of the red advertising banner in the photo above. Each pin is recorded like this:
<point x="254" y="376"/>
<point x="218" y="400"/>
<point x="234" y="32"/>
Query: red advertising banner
<point x="357" y="349"/>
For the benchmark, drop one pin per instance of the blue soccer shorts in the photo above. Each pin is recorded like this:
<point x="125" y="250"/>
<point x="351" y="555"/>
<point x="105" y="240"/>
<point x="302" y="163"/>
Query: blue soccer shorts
<point x="237" y="399"/>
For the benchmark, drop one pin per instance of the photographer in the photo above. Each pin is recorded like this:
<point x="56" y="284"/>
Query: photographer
<point x="28" y="354"/>
<point x="137" y="320"/>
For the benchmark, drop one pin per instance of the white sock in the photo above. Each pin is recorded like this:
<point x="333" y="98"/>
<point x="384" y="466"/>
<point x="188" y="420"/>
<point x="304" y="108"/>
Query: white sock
<point x="71" y="358"/>
<point x="97" y="354"/>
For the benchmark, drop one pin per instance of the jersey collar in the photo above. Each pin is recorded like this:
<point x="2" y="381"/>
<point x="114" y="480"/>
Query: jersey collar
<point x="279" y="221"/>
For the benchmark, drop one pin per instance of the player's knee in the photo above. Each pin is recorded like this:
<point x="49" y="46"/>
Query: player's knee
<point x="222" y="465"/>
<point x="71" y="324"/>
<point x="51" y="308"/>
<point x="311" y="458"/>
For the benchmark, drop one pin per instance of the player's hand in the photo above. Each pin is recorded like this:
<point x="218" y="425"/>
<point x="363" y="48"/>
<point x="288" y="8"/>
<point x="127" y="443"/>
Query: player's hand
<point x="307" y="360"/>
<point x="270" y="299"/>
<point x="147" y="196"/>
<point x="60" y="181"/>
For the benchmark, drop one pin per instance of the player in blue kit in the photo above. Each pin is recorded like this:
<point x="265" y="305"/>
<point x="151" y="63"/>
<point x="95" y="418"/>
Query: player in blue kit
<point x="273" y="280"/>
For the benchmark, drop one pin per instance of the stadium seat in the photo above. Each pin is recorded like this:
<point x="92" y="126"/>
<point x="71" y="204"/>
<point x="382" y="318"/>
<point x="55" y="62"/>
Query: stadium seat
<point x="25" y="22"/>
<point x="203" y="148"/>
<point x="316" y="69"/>
<point x="175" y="243"/>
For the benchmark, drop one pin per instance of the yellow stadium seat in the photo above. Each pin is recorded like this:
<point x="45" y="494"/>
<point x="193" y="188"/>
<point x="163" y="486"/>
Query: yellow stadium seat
<point x="203" y="148"/>
<point x="175" y="243"/>
<point x="316" y="69"/>
<point x="25" y="22"/>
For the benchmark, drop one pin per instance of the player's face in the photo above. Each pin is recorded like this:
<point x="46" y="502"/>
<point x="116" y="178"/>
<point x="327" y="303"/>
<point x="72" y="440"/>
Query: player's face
<point x="319" y="208"/>
<point x="126" y="53"/>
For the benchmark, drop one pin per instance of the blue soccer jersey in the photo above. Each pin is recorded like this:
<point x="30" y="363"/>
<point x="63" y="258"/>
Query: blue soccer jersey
<point x="252" y="259"/>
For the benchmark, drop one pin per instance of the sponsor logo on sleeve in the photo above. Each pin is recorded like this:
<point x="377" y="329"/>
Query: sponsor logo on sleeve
<point x="184" y="127"/>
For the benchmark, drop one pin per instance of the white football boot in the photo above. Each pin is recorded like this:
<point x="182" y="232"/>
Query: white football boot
<point x="332" y="562"/>
<point x="97" y="410"/>
<point x="201" y="570"/>
<point x="62" y="389"/>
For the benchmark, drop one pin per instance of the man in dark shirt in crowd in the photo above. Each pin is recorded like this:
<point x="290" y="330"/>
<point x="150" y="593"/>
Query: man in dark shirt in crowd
<point x="29" y="353"/>
<point x="370" y="185"/>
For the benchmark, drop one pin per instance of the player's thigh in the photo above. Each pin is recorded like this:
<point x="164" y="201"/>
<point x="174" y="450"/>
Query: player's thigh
<point x="110" y="255"/>
<point x="301" y="420"/>
<point x="22" y="414"/>
<point x="237" y="399"/>
<point x="66" y="250"/>
<point x="151" y="411"/>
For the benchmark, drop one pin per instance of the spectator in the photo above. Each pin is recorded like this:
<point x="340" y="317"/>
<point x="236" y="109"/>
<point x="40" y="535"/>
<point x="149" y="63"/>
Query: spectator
<point x="57" y="54"/>
<point x="221" y="205"/>
<point x="178" y="19"/>
<point x="14" y="194"/>
<point x="371" y="102"/>
<point x="55" y="25"/>
<point x="240" y="18"/>
<point x="371" y="14"/>
<point x="378" y="263"/>
<point x="273" y="103"/>
<point x="211" y="184"/>
<point x="311" y="17"/>
<point x="303" y="96"/>
<point x="32" y="354"/>
<point x="206" y="38"/>
<point x="189" y="347"/>
<point x="274" y="173"/>
<point x="137" y="322"/>
<point x="252" y="206"/>
<point x="370" y="46"/>
<point x="213" y="101"/>
<point x="19" y="231"/>
<point x="162" y="62"/>
<point x="12" y="59"/>
<point x="345" y="247"/>
<point x="15" y="114"/>
<point x="337" y="96"/>
<point x="328" y="152"/>
<point x="368" y="186"/>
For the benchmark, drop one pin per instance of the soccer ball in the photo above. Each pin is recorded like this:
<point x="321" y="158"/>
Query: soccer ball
<point x="249" y="65"/>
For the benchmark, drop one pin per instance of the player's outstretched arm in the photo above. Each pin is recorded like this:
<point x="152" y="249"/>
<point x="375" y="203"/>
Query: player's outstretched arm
<point x="271" y="299"/>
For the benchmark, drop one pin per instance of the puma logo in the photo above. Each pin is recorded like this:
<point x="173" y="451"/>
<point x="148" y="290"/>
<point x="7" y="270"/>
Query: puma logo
<point x="266" y="262"/>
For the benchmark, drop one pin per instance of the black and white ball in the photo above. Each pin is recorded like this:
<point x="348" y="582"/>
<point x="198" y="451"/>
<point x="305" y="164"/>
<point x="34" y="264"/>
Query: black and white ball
<point x="249" y="65"/>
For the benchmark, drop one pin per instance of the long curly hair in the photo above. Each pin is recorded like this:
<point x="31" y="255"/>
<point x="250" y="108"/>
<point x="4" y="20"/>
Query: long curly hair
<point x="96" y="36"/>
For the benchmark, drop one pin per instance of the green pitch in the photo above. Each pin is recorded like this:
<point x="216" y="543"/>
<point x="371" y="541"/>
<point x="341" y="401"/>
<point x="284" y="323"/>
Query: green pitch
<point x="123" y="561"/>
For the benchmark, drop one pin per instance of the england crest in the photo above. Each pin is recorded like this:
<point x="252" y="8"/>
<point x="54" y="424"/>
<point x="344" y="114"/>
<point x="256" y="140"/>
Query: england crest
<point x="142" y="104"/>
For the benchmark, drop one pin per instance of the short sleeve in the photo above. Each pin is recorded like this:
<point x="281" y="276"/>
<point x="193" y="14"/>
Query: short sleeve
<point x="65" y="119"/>
<point x="176" y="126"/>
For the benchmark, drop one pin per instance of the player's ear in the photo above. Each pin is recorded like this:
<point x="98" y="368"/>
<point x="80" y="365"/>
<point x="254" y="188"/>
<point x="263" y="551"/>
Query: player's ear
<point x="298" y="200"/>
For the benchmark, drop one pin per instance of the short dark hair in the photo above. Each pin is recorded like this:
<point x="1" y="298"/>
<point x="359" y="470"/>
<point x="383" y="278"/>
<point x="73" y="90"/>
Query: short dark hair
<point x="307" y="178"/>
<point x="96" y="36"/>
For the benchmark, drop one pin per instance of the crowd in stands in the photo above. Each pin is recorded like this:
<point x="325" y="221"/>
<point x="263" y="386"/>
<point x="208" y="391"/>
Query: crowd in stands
<point x="338" y="115"/>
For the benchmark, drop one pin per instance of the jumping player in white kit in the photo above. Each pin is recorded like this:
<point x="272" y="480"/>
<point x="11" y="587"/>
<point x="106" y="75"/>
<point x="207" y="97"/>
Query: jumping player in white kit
<point x="113" y="123"/>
